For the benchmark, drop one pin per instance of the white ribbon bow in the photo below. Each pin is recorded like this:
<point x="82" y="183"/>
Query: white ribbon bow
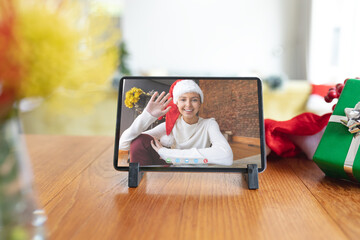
<point x="353" y="119"/>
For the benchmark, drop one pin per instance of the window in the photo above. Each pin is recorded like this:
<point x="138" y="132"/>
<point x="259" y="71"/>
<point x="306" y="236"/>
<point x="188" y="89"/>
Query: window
<point x="334" y="53"/>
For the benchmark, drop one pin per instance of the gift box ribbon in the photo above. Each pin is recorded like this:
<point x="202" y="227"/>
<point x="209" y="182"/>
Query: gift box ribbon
<point x="352" y="121"/>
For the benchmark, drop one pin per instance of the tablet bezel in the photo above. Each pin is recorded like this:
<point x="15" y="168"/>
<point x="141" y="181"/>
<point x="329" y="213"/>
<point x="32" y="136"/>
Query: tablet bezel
<point x="189" y="169"/>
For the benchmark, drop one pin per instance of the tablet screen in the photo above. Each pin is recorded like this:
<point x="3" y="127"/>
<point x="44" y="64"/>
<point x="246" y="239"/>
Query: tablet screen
<point x="209" y="124"/>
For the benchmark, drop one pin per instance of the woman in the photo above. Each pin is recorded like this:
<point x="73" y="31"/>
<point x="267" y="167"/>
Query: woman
<point x="185" y="138"/>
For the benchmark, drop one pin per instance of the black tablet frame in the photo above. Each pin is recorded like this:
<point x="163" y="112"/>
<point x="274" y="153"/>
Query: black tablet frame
<point x="189" y="169"/>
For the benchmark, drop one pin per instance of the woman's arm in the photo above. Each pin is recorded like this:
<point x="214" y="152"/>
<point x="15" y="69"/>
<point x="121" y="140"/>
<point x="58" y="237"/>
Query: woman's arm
<point x="140" y="124"/>
<point x="219" y="153"/>
<point x="154" y="109"/>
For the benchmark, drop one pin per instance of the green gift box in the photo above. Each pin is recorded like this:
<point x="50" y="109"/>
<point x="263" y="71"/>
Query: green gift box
<point x="337" y="154"/>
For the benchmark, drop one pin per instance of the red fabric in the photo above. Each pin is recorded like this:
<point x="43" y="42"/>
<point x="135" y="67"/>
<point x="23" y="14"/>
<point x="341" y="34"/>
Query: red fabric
<point x="277" y="132"/>
<point x="173" y="114"/>
<point x="321" y="89"/>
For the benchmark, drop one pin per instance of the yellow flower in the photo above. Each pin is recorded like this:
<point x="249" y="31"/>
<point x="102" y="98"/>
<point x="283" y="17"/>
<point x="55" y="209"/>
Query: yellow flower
<point x="133" y="96"/>
<point x="62" y="51"/>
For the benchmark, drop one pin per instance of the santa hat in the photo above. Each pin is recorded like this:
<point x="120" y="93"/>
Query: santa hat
<point x="178" y="88"/>
<point x="186" y="86"/>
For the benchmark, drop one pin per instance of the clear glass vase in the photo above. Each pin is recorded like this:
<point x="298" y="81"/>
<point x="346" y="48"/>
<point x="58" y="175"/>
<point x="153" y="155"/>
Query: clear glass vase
<point x="20" y="216"/>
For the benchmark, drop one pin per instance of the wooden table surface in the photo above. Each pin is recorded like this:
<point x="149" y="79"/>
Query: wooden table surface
<point x="85" y="198"/>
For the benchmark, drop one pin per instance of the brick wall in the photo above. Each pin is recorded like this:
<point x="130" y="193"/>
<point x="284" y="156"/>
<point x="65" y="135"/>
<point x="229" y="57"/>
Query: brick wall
<point x="234" y="105"/>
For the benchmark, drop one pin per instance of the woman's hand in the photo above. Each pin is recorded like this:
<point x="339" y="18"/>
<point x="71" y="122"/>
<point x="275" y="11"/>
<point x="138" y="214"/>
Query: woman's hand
<point x="156" y="145"/>
<point x="158" y="107"/>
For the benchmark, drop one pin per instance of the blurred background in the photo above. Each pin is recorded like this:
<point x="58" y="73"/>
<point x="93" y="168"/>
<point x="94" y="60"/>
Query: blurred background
<point x="297" y="47"/>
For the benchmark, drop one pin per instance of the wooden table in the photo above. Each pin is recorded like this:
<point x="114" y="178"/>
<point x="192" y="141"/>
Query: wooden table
<point x="85" y="198"/>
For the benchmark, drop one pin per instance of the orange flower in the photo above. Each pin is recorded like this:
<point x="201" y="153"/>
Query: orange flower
<point x="10" y="76"/>
<point x="9" y="67"/>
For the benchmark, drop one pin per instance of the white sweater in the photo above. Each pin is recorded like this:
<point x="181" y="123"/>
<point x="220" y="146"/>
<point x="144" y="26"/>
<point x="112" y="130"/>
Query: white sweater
<point x="199" y="143"/>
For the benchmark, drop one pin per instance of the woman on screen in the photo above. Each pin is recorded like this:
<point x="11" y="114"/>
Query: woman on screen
<point x="185" y="138"/>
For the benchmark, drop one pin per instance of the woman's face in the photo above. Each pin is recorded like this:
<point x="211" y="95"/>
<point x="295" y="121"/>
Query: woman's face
<point x="189" y="105"/>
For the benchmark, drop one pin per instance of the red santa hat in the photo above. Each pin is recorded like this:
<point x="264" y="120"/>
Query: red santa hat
<point x="178" y="88"/>
<point x="185" y="86"/>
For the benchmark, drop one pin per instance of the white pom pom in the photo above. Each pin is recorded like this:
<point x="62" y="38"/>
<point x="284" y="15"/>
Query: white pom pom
<point x="167" y="140"/>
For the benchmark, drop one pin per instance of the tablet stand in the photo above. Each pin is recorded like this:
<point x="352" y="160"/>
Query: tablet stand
<point x="252" y="176"/>
<point x="135" y="175"/>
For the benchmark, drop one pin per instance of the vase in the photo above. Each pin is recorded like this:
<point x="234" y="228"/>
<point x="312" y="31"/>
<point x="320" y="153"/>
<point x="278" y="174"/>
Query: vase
<point x="20" y="215"/>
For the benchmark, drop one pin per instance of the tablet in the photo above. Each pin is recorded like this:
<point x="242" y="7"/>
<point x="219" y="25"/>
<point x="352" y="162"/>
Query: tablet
<point x="214" y="124"/>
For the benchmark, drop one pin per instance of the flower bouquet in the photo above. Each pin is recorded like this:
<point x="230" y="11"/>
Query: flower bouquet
<point x="138" y="99"/>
